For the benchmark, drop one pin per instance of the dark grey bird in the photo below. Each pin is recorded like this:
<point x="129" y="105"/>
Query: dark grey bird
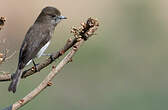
<point x="36" y="41"/>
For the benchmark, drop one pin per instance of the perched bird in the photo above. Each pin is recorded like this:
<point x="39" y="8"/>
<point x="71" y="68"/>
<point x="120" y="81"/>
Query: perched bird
<point x="36" y="41"/>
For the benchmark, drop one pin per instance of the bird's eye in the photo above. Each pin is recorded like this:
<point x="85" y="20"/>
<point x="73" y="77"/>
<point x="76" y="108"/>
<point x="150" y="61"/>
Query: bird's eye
<point x="53" y="16"/>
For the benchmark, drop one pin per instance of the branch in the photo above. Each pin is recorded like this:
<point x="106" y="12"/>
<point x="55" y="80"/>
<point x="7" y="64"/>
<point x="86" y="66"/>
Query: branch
<point x="81" y="35"/>
<point x="31" y="71"/>
<point x="4" y="57"/>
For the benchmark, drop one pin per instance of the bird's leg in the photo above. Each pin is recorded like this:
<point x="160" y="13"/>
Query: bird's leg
<point x="35" y="66"/>
<point x="50" y="55"/>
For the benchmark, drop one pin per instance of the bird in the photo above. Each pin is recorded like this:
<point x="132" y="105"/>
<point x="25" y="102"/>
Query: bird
<point x="36" y="41"/>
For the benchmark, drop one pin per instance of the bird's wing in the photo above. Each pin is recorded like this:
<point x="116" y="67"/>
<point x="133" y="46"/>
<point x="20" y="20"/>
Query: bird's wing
<point x="35" y="39"/>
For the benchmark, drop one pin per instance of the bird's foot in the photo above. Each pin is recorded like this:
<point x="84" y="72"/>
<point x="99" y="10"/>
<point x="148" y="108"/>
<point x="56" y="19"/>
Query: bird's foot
<point x="35" y="66"/>
<point x="50" y="55"/>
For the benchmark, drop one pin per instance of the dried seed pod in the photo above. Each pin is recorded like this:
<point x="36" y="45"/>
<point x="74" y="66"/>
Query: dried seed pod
<point x="83" y="25"/>
<point x="49" y="83"/>
<point x="1" y="55"/>
<point x="2" y="22"/>
<point x="1" y="60"/>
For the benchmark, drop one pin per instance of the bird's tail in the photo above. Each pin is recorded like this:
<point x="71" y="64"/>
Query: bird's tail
<point x="15" y="80"/>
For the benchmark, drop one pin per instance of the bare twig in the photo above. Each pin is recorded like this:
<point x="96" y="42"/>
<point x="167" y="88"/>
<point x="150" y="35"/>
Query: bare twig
<point x="81" y="36"/>
<point x="44" y="64"/>
<point x="4" y="57"/>
<point x="46" y="82"/>
<point x="9" y="57"/>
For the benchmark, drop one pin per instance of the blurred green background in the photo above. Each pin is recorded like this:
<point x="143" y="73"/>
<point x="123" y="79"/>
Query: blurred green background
<point x="123" y="67"/>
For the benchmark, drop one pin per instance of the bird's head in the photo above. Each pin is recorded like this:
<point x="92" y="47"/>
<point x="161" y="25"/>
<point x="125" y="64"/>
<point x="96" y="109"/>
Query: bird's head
<point x="50" y="15"/>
